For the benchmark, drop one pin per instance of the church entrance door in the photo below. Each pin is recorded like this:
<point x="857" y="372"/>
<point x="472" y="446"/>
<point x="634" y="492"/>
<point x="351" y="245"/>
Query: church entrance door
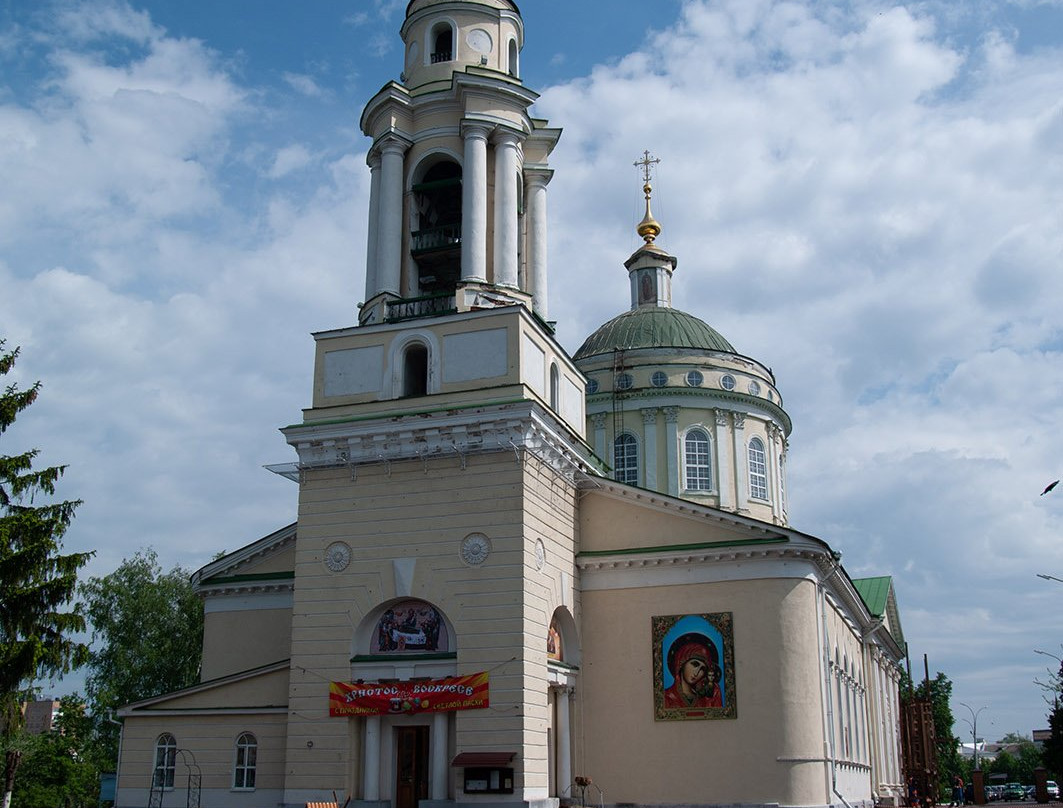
<point x="412" y="768"/>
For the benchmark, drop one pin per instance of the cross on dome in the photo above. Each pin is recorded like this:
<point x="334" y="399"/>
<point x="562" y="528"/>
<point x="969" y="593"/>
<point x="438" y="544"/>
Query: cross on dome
<point x="649" y="228"/>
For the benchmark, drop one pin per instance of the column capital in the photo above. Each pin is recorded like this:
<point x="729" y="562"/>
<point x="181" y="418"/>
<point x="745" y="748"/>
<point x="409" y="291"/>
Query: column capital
<point x="392" y="143"/>
<point x="671" y="414"/>
<point x="475" y="129"/>
<point x="649" y="415"/>
<point x="740" y="420"/>
<point x="538" y="177"/>
<point x="506" y="137"/>
<point x="372" y="159"/>
<point x="721" y="417"/>
<point x="598" y="419"/>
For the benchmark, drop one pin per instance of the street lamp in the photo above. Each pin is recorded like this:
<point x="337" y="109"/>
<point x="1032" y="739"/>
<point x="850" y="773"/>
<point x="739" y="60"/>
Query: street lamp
<point x="973" y="724"/>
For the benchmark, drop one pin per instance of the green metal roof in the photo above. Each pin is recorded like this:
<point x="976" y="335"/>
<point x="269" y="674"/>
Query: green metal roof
<point x="875" y="592"/>
<point x="653" y="327"/>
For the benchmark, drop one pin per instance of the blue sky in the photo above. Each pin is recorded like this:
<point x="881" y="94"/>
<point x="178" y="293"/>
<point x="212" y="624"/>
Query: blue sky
<point x="866" y="196"/>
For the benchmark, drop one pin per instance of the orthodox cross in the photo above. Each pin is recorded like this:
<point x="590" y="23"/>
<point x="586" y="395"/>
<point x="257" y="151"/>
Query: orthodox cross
<point x="646" y="162"/>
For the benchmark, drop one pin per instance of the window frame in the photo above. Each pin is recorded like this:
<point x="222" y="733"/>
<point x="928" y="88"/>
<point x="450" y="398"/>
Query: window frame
<point x="630" y="458"/>
<point x="164" y="761"/>
<point x="705" y="478"/>
<point x="757" y="459"/>
<point x="246" y="743"/>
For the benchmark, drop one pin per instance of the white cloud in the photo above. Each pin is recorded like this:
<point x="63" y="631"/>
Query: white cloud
<point x="303" y="84"/>
<point x="289" y="159"/>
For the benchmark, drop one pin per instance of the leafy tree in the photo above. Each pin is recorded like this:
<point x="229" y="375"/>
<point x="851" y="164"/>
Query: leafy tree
<point x="1052" y="754"/>
<point x="60" y="768"/>
<point x="147" y="628"/>
<point x="37" y="581"/>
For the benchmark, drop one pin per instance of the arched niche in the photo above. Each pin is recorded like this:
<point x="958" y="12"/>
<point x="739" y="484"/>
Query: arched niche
<point x="404" y="638"/>
<point x="406" y="626"/>
<point x="562" y="640"/>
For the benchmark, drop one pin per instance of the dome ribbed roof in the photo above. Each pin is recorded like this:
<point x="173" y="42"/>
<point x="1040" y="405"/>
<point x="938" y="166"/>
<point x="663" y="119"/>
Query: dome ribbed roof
<point x="653" y="327"/>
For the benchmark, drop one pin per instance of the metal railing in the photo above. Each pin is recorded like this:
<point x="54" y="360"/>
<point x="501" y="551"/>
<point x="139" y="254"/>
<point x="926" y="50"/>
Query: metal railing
<point x="435" y="238"/>
<point x="426" y="306"/>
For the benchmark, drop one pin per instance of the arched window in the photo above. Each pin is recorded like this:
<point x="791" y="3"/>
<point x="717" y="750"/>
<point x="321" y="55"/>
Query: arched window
<point x="415" y="370"/>
<point x="435" y="240"/>
<point x="626" y="459"/>
<point x="442" y="43"/>
<point x="758" y="470"/>
<point x="165" y="761"/>
<point x="513" y="68"/>
<point x="555" y="384"/>
<point x="246" y="761"/>
<point x="698" y="463"/>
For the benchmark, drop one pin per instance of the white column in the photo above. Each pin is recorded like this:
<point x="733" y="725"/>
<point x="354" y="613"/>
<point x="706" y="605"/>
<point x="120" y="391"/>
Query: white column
<point x="776" y="464"/>
<point x="389" y="223"/>
<point x="371" y="771"/>
<point x="671" y="436"/>
<point x="725" y="481"/>
<point x="474" y="204"/>
<point x="649" y="435"/>
<point x="564" y="741"/>
<point x="535" y="195"/>
<point x="507" y="167"/>
<point x="439" y="756"/>
<point x="371" y="259"/>
<point x="741" y="462"/>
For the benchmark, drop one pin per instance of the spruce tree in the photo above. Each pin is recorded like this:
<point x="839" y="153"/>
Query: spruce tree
<point x="38" y="623"/>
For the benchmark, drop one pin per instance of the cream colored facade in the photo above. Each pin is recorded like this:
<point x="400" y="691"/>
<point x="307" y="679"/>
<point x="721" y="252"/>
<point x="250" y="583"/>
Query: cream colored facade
<point x="454" y="472"/>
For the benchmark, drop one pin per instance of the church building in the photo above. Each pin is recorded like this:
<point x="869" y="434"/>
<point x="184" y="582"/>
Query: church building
<point x="520" y="576"/>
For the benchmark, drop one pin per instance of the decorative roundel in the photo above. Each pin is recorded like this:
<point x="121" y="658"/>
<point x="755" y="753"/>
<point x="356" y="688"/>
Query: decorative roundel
<point x="754" y="389"/>
<point x="540" y="554"/>
<point x="624" y="381"/>
<point x="659" y="379"/>
<point x="694" y="378"/>
<point x="337" y="556"/>
<point x="479" y="40"/>
<point x="727" y="382"/>
<point x="592" y="386"/>
<point x="475" y="548"/>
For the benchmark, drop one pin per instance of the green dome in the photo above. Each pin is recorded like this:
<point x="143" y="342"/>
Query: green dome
<point x="653" y="327"/>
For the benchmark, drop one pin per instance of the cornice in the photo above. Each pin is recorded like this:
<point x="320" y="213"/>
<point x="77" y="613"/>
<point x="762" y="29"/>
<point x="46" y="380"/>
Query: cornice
<point x="723" y="552"/>
<point x="268" y="545"/>
<point x="769" y="409"/>
<point x="520" y="427"/>
<point x="243" y="588"/>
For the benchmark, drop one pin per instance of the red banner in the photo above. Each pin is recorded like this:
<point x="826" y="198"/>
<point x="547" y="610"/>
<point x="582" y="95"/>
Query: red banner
<point x="426" y="696"/>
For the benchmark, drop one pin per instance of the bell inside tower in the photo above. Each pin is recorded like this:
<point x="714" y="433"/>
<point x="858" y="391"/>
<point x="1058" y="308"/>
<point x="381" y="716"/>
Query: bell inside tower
<point x="436" y="240"/>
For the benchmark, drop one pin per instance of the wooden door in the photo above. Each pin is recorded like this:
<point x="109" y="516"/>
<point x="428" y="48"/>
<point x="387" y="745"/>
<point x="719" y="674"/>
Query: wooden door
<point x="412" y="766"/>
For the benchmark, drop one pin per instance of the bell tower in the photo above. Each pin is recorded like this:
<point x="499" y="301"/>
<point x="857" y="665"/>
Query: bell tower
<point x="457" y="218"/>
<point x="438" y="463"/>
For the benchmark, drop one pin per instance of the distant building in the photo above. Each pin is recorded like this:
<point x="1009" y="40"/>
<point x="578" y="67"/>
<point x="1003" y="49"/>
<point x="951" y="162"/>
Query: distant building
<point x="40" y="716"/>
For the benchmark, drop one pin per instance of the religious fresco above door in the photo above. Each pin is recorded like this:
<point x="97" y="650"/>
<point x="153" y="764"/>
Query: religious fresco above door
<point x="693" y="667"/>
<point x="411" y="626"/>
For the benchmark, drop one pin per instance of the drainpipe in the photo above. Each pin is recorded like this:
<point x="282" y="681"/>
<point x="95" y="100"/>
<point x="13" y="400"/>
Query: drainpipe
<point x="118" y="762"/>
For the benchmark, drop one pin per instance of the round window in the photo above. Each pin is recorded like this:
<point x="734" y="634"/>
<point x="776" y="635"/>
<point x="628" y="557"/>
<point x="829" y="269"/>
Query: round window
<point x="727" y="382"/>
<point x="592" y="386"/>
<point x="624" y="381"/>
<point x="694" y="378"/>
<point x="754" y="389"/>
<point x="659" y="379"/>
